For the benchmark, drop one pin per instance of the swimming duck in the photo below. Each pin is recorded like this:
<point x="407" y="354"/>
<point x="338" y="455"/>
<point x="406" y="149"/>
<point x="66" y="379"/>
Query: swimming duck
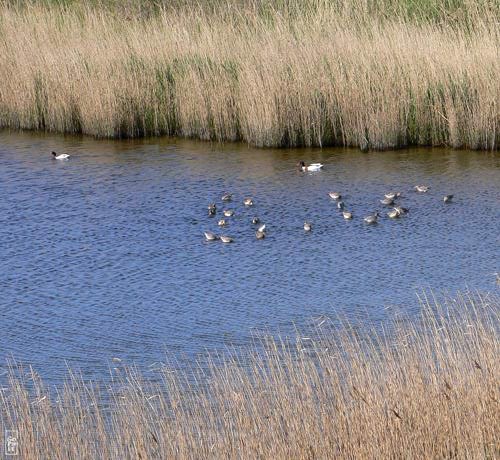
<point x="387" y="201"/>
<point x="421" y="188"/>
<point x="210" y="236"/>
<point x="248" y="202"/>
<point x="311" y="167"/>
<point x="341" y="205"/>
<point x="212" y="209"/>
<point x="372" y="218"/>
<point x="392" y="195"/>
<point x="226" y="239"/>
<point x="347" y="215"/>
<point x="228" y="212"/>
<point x="255" y="220"/>
<point x="448" y="198"/>
<point x="307" y="226"/>
<point x="394" y="213"/>
<point x="222" y="223"/>
<point x="260" y="235"/>
<point x="262" y="228"/>
<point x="61" y="156"/>
<point x="227" y="197"/>
<point x="401" y="210"/>
<point x="335" y="195"/>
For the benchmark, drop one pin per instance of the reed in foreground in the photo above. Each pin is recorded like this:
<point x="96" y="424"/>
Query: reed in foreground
<point x="267" y="73"/>
<point x="422" y="390"/>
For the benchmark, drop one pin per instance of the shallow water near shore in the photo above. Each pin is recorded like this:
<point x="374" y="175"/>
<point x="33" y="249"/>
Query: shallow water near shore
<point x="103" y="255"/>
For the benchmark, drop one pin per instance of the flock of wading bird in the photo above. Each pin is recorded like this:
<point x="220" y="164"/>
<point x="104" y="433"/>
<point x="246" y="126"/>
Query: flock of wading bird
<point x="388" y="200"/>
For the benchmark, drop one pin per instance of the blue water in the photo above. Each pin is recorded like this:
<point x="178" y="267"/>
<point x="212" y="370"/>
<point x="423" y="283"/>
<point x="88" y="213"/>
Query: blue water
<point x="103" y="255"/>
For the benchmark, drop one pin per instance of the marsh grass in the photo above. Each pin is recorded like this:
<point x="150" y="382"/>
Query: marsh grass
<point x="316" y="73"/>
<point x="424" y="389"/>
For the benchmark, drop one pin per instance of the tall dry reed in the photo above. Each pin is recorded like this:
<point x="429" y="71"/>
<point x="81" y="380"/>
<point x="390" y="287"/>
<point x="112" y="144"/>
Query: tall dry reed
<point x="327" y="73"/>
<point x="427" y="389"/>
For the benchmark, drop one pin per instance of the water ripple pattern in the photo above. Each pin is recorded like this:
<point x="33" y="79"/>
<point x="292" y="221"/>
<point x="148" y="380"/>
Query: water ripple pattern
<point x="104" y="255"/>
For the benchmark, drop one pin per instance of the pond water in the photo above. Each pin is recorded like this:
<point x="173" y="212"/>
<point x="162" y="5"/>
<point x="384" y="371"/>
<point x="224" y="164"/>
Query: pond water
<point x="104" y="256"/>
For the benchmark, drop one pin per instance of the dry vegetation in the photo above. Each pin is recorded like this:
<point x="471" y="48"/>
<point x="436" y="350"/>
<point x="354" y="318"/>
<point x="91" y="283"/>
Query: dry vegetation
<point x="423" y="390"/>
<point x="315" y="73"/>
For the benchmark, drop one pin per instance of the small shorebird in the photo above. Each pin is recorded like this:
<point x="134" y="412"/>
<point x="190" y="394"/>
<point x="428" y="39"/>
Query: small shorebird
<point x="312" y="167"/>
<point x="222" y="223"/>
<point x="226" y="239"/>
<point x="347" y="215"/>
<point x="372" y="218"/>
<point x="227" y="197"/>
<point x="448" y="198"/>
<point x="255" y="220"/>
<point x="307" y="226"/>
<point x="210" y="236"/>
<point x="335" y="195"/>
<point x="212" y="209"/>
<point x="228" y="212"/>
<point x="61" y="156"/>
<point x="248" y="202"/>
<point x="421" y="188"/>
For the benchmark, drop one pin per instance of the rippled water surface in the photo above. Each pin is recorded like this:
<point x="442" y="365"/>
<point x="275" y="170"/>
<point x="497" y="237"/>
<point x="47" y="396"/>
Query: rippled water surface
<point x="104" y="255"/>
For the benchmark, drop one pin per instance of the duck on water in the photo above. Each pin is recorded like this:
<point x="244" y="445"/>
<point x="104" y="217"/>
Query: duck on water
<point x="61" y="156"/>
<point x="209" y="236"/>
<point x="311" y="167"/>
<point x="372" y="218"/>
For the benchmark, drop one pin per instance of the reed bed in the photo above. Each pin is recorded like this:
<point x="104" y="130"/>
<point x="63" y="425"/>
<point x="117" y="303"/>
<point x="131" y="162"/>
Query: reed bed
<point x="423" y="389"/>
<point x="376" y="75"/>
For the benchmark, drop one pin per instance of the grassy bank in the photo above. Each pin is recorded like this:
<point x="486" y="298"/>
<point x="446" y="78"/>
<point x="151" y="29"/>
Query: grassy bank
<point x="315" y="73"/>
<point x="426" y="390"/>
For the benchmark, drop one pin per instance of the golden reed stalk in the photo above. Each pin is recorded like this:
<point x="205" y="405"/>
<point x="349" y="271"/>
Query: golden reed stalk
<point x="327" y="73"/>
<point x="427" y="389"/>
